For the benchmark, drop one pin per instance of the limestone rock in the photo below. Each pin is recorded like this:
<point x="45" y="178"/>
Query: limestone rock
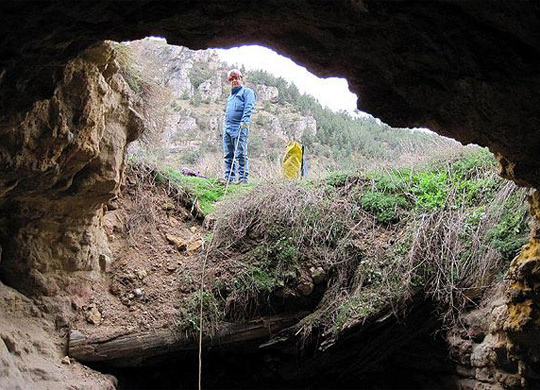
<point x="93" y="315"/>
<point x="195" y="245"/>
<point x="277" y="128"/>
<point x="81" y="130"/>
<point x="141" y="274"/>
<point x="267" y="93"/>
<point x="317" y="274"/>
<point x="179" y="243"/>
<point x="305" y="126"/>
<point x="211" y="89"/>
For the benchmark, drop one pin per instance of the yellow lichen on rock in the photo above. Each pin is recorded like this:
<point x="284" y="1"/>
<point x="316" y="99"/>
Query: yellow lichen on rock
<point x="519" y="314"/>
<point x="531" y="251"/>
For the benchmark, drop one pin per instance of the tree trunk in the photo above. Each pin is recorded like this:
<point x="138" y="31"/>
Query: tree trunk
<point x="129" y="344"/>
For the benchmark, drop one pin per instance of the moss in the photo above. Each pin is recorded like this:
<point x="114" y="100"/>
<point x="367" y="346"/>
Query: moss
<point x="510" y="233"/>
<point x="519" y="315"/>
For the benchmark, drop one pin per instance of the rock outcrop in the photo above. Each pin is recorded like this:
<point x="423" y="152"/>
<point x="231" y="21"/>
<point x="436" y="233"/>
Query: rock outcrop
<point x="64" y="158"/>
<point x="267" y="93"/>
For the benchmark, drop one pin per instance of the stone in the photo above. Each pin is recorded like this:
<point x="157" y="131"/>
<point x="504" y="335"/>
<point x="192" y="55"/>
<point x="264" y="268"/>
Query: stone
<point x="195" y="245"/>
<point x="306" y="287"/>
<point x="141" y="274"/>
<point x="211" y="89"/>
<point x="305" y="126"/>
<point x="317" y="274"/>
<point x="113" y="380"/>
<point x="66" y="360"/>
<point x="138" y="292"/>
<point x="61" y="320"/>
<point x="11" y="345"/>
<point x="45" y="284"/>
<point x="265" y="92"/>
<point x="93" y="315"/>
<point x="105" y="263"/>
<point x="179" y="243"/>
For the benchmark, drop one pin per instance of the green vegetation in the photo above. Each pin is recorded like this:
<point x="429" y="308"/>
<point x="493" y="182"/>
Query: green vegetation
<point x="212" y="312"/>
<point x="447" y="229"/>
<point x="340" y="141"/>
<point x="199" y="74"/>
<point x="444" y="229"/>
<point x="384" y="207"/>
<point x="205" y="192"/>
<point x="341" y="137"/>
<point x="130" y="72"/>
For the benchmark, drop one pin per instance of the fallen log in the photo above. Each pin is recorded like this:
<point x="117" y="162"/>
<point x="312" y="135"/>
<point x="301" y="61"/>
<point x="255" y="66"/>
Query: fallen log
<point x="121" y="345"/>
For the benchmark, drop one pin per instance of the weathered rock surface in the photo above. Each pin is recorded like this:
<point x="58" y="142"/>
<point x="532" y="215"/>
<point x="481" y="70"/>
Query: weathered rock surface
<point x="267" y="93"/>
<point x="63" y="159"/>
<point x="32" y="354"/>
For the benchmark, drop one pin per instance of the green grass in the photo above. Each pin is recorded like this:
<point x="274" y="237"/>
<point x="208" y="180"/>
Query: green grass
<point x="206" y="191"/>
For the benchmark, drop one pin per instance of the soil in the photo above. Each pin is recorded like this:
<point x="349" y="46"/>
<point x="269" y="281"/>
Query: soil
<point x="157" y="253"/>
<point x="146" y="283"/>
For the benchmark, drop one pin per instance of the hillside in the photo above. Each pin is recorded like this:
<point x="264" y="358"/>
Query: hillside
<point x="183" y="93"/>
<point x="319" y="261"/>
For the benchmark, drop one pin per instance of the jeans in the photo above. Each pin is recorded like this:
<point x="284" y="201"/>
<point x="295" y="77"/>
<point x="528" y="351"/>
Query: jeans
<point x="239" y="163"/>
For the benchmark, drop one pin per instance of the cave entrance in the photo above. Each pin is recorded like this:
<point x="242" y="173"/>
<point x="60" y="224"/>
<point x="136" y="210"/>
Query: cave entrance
<point x="436" y="218"/>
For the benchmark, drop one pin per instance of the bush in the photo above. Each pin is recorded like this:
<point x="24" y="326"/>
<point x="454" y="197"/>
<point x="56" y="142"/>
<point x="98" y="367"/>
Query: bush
<point x="190" y="157"/>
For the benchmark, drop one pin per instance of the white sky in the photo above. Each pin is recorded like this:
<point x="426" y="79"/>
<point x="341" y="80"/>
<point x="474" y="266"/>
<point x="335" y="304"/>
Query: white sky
<point x="332" y="92"/>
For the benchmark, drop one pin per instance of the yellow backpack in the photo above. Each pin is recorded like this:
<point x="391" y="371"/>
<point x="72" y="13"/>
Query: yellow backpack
<point x="293" y="161"/>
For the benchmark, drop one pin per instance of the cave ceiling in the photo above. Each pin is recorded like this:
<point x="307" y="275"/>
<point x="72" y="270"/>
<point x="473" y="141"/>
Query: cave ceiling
<point x="466" y="69"/>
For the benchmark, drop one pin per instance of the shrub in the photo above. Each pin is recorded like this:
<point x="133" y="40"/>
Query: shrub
<point x="384" y="207"/>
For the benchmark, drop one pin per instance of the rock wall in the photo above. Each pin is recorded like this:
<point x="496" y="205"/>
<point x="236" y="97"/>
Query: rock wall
<point x="522" y="324"/>
<point x="64" y="159"/>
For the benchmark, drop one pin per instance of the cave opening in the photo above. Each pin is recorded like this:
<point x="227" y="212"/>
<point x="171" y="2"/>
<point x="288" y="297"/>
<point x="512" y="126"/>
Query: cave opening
<point x="422" y="364"/>
<point x="421" y="361"/>
<point x="463" y="69"/>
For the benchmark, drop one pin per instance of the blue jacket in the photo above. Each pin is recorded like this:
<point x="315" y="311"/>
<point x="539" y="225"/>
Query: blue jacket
<point x="240" y="105"/>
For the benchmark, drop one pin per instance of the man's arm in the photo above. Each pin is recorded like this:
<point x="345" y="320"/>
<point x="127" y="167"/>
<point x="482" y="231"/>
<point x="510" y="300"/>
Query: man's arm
<point x="248" y="108"/>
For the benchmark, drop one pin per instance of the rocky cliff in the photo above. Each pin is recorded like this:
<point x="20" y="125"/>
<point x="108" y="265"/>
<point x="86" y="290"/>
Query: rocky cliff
<point x="190" y="89"/>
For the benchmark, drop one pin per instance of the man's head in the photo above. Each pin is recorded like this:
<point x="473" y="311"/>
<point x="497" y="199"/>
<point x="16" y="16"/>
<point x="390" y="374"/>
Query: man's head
<point x="234" y="76"/>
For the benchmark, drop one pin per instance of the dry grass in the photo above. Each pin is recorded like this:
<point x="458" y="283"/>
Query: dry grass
<point x="444" y="252"/>
<point x="142" y="214"/>
<point x="455" y="263"/>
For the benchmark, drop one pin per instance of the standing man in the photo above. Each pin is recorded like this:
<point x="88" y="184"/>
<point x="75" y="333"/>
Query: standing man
<point x="240" y="105"/>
